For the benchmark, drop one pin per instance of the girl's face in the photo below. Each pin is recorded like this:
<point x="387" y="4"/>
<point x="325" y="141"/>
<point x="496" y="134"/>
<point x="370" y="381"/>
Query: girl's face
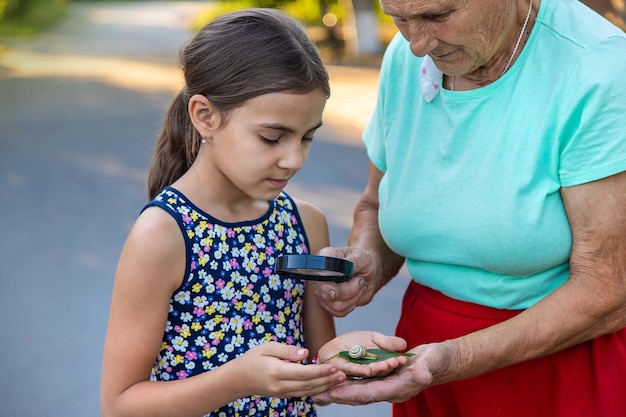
<point x="264" y="143"/>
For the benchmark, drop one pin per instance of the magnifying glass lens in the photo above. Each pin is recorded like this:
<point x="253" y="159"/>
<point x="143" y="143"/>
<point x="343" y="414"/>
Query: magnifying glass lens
<point x="314" y="267"/>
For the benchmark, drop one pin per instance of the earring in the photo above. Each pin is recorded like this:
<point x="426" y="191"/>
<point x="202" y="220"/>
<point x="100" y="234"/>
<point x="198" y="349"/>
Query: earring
<point x="203" y="141"/>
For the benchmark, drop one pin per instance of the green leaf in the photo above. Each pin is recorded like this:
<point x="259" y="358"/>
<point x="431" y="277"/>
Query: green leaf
<point x="380" y="353"/>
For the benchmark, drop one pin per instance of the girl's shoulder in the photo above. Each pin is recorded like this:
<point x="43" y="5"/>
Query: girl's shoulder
<point x="309" y="210"/>
<point x="315" y="223"/>
<point x="169" y="199"/>
<point x="156" y="228"/>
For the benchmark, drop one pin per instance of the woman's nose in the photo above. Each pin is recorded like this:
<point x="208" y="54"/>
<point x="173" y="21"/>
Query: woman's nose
<point x="419" y="39"/>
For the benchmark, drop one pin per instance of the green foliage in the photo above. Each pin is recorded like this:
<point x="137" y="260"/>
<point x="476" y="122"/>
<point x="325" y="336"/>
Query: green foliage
<point x="306" y="11"/>
<point x="217" y="9"/>
<point x="9" y="8"/>
<point x="382" y="18"/>
<point x="276" y="4"/>
<point x="26" y="17"/>
<point x="379" y="356"/>
<point x="111" y="1"/>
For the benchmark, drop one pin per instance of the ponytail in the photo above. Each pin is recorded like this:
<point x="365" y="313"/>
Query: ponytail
<point x="176" y="147"/>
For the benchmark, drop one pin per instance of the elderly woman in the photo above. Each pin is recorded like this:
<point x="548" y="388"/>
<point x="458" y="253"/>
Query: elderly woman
<point x="498" y="174"/>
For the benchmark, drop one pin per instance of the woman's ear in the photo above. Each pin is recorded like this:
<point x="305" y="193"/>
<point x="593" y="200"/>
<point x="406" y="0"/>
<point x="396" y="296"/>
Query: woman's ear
<point x="203" y="114"/>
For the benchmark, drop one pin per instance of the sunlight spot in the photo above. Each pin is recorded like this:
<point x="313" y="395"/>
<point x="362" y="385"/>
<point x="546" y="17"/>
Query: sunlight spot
<point x="112" y="168"/>
<point x="337" y="203"/>
<point x="119" y="72"/>
<point x="352" y="97"/>
<point x="90" y="260"/>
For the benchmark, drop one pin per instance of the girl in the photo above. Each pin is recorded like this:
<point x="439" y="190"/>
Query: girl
<point x="199" y="322"/>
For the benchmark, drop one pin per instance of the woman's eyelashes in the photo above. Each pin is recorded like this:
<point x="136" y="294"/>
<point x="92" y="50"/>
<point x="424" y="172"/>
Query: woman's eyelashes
<point x="430" y="16"/>
<point x="439" y="16"/>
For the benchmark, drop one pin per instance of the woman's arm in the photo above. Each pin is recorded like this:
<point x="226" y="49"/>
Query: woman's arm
<point x="150" y="268"/>
<point x="590" y="304"/>
<point x="319" y="325"/>
<point x="375" y="264"/>
<point x="366" y="235"/>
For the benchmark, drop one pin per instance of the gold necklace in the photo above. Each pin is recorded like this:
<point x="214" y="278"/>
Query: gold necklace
<point x="517" y="44"/>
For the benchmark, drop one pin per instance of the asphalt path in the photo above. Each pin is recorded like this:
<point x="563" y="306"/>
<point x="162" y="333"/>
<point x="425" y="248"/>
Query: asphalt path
<point x="80" y="106"/>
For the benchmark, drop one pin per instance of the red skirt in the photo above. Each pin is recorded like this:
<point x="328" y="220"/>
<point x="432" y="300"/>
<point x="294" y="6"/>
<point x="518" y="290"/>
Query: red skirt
<point x="586" y="380"/>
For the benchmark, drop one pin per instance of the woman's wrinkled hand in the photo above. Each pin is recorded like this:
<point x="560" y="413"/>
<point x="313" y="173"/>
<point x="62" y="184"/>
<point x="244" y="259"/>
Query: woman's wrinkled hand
<point x="429" y="366"/>
<point x="339" y="299"/>
<point x="328" y="354"/>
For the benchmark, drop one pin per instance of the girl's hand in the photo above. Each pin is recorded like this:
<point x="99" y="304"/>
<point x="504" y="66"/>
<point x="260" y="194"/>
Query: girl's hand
<point x="274" y="369"/>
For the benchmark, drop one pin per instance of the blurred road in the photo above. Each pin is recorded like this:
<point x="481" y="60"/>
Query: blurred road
<point x="80" y="106"/>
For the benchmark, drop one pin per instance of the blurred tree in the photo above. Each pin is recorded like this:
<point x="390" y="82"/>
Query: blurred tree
<point x="613" y="10"/>
<point x="361" y="27"/>
<point x="352" y="26"/>
<point x="3" y="7"/>
<point x="359" y="24"/>
<point x="26" y="17"/>
<point x="10" y="8"/>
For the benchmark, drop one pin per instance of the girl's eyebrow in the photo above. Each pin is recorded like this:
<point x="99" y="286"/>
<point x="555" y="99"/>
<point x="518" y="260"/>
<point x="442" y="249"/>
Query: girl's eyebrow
<point x="287" y="129"/>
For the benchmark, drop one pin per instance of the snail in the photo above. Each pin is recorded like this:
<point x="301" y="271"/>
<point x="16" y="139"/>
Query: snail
<point x="360" y="352"/>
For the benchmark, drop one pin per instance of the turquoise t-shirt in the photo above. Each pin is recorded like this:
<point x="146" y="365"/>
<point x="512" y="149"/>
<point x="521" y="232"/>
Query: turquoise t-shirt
<point x="471" y="187"/>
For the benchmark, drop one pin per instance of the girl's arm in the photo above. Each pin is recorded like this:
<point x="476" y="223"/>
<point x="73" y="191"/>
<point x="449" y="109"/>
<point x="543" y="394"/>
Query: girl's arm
<point x="150" y="268"/>
<point x="319" y="325"/>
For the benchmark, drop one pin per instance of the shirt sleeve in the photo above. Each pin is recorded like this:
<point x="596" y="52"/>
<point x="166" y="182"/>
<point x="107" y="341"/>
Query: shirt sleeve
<point x="593" y="141"/>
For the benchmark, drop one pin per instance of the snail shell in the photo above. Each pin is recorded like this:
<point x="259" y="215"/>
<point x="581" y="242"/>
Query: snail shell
<point x="357" y="352"/>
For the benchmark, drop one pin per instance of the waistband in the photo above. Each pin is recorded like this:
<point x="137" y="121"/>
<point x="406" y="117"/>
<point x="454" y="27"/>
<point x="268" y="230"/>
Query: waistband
<point x="458" y="307"/>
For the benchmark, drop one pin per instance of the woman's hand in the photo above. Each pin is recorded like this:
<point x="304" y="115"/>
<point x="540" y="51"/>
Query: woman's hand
<point x="339" y="299"/>
<point x="374" y="262"/>
<point x="429" y="365"/>
<point x="328" y="353"/>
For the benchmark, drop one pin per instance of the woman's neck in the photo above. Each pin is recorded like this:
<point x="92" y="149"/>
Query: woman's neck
<point x="503" y="61"/>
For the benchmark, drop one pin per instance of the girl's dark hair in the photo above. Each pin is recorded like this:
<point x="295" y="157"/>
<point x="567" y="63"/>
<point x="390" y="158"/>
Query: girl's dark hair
<point x="236" y="57"/>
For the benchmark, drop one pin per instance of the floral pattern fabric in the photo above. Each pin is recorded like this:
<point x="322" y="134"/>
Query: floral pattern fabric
<point x="230" y="299"/>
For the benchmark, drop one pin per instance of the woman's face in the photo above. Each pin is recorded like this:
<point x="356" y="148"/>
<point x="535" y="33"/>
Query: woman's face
<point x="460" y="36"/>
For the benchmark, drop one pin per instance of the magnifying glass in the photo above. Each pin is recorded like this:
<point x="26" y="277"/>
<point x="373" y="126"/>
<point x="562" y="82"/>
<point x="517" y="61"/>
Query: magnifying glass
<point x="314" y="267"/>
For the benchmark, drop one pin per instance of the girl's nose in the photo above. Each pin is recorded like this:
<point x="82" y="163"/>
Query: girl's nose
<point x="293" y="157"/>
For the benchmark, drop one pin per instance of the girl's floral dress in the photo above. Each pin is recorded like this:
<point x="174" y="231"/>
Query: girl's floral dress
<point x="230" y="299"/>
